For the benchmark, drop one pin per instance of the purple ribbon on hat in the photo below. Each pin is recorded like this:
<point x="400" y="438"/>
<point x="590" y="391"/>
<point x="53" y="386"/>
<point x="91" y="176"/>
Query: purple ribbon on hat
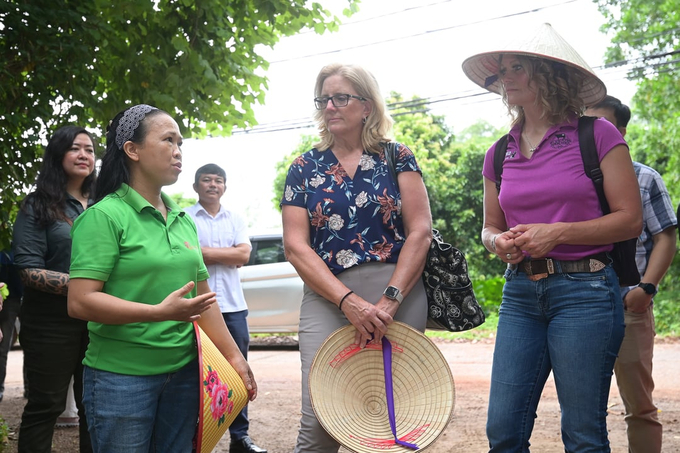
<point x="389" y="392"/>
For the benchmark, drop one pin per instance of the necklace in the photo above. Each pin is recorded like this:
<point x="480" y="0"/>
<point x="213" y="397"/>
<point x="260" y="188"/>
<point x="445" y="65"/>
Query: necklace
<point x="532" y="148"/>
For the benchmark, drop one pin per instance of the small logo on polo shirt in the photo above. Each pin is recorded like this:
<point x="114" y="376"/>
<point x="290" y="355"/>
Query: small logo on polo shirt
<point x="560" y="141"/>
<point x="189" y="246"/>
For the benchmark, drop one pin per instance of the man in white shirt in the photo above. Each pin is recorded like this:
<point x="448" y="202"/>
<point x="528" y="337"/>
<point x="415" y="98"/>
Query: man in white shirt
<point x="225" y="245"/>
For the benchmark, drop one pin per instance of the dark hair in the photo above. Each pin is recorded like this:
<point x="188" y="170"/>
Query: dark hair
<point x="49" y="198"/>
<point x="210" y="169"/>
<point x="621" y="110"/>
<point x="115" y="169"/>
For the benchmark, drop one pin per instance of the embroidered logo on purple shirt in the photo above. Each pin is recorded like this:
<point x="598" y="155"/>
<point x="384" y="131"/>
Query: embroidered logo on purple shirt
<point x="560" y="141"/>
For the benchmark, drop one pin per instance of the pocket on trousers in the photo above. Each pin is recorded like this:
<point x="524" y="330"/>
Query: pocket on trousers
<point x="598" y="276"/>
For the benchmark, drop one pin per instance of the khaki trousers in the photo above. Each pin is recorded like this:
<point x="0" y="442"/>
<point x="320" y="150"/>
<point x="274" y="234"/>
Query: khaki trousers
<point x="319" y="318"/>
<point x="633" y="371"/>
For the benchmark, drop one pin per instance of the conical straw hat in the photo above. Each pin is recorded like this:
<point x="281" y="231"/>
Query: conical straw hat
<point x="544" y="43"/>
<point x="347" y="389"/>
<point x="223" y="394"/>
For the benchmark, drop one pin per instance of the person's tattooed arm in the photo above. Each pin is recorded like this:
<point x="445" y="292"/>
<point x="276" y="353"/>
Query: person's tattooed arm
<point x="47" y="281"/>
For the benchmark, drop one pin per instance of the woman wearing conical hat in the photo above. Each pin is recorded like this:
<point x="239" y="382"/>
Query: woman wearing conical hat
<point x="561" y="310"/>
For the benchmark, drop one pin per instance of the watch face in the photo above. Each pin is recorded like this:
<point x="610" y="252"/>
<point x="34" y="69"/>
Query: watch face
<point x="391" y="292"/>
<point x="648" y="288"/>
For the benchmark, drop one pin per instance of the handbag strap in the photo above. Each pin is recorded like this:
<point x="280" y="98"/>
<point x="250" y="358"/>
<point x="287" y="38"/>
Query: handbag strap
<point x="391" y="158"/>
<point x="389" y="392"/>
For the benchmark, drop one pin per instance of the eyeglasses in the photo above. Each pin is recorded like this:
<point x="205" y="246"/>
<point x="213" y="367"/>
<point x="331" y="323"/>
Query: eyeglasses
<point x="339" y="100"/>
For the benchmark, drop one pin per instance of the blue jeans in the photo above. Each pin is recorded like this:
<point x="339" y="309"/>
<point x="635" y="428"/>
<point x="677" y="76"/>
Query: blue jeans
<point x="142" y="414"/>
<point x="572" y="325"/>
<point x="238" y="328"/>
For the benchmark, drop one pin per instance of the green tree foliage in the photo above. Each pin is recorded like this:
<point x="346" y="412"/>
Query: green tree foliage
<point x="462" y="203"/>
<point x="306" y="143"/>
<point x="645" y="33"/>
<point x="82" y="62"/>
<point x="182" y="201"/>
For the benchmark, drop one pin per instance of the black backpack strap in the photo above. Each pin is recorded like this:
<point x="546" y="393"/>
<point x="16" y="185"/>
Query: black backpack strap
<point x="498" y="158"/>
<point x="591" y="161"/>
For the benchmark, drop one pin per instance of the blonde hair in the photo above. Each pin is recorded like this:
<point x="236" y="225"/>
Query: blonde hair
<point x="557" y="90"/>
<point x="378" y="125"/>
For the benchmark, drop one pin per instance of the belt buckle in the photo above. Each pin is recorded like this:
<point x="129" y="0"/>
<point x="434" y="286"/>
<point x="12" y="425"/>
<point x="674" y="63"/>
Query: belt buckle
<point x="530" y="275"/>
<point x="595" y="265"/>
<point x="550" y="265"/>
<point x="534" y="277"/>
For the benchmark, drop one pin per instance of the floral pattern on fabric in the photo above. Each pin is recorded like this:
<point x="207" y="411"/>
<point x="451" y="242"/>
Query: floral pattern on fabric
<point x="221" y="403"/>
<point x="352" y="220"/>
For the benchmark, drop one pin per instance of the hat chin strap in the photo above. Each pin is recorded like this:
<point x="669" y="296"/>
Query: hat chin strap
<point x="389" y="392"/>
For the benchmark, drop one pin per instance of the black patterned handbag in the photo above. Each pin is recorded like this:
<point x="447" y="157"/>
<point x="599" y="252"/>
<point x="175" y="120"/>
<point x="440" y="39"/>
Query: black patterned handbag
<point x="451" y="301"/>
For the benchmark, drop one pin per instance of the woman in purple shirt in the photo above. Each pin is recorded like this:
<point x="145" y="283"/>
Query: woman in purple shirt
<point x="357" y="241"/>
<point x="561" y="309"/>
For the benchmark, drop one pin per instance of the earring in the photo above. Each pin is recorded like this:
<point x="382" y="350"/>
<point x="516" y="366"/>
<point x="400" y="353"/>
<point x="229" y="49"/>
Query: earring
<point x="363" y="120"/>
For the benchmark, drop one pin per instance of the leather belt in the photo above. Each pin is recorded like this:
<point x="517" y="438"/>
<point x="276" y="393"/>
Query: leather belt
<point x="540" y="268"/>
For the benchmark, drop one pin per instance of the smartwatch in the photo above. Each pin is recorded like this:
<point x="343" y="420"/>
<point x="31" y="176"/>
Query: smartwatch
<point x="392" y="292"/>
<point x="648" y="288"/>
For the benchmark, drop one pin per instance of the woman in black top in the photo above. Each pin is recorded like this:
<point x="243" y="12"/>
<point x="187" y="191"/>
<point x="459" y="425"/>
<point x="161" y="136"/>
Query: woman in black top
<point x="53" y="343"/>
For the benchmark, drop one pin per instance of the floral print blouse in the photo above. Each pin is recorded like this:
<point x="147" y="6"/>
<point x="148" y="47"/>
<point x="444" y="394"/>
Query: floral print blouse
<point x="351" y="220"/>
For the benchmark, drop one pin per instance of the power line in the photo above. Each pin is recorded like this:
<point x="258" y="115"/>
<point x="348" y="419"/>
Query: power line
<point x="427" y="32"/>
<point x="638" y="59"/>
<point x="414" y="106"/>
<point x="610" y="72"/>
<point x="392" y="13"/>
<point x="647" y="37"/>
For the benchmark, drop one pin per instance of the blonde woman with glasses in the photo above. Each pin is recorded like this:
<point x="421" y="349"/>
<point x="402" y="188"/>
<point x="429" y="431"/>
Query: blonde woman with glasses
<point x="357" y="241"/>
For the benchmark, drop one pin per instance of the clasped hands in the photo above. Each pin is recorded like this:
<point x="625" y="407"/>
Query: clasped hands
<point x="534" y="240"/>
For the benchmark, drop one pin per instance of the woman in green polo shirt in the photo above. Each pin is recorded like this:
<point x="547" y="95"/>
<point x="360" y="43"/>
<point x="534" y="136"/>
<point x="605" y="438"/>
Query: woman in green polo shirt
<point x="135" y="257"/>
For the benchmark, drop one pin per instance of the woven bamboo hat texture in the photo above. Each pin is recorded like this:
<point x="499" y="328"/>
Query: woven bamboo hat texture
<point x="347" y="389"/>
<point x="223" y="394"/>
<point x="546" y="43"/>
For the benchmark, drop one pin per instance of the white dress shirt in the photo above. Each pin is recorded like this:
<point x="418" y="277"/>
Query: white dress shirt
<point x="226" y="229"/>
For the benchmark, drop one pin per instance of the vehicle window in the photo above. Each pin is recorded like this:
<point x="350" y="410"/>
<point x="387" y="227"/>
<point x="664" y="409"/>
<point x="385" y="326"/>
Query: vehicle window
<point x="268" y="251"/>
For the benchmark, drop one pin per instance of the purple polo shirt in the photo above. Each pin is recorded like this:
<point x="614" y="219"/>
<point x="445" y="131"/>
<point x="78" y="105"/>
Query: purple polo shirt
<point x="552" y="185"/>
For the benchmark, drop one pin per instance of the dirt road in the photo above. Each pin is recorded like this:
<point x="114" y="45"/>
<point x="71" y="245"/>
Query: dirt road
<point x="275" y="414"/>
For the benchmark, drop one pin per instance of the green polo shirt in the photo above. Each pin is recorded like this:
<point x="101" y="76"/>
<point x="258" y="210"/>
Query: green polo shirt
<point x="124" y="242"/>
